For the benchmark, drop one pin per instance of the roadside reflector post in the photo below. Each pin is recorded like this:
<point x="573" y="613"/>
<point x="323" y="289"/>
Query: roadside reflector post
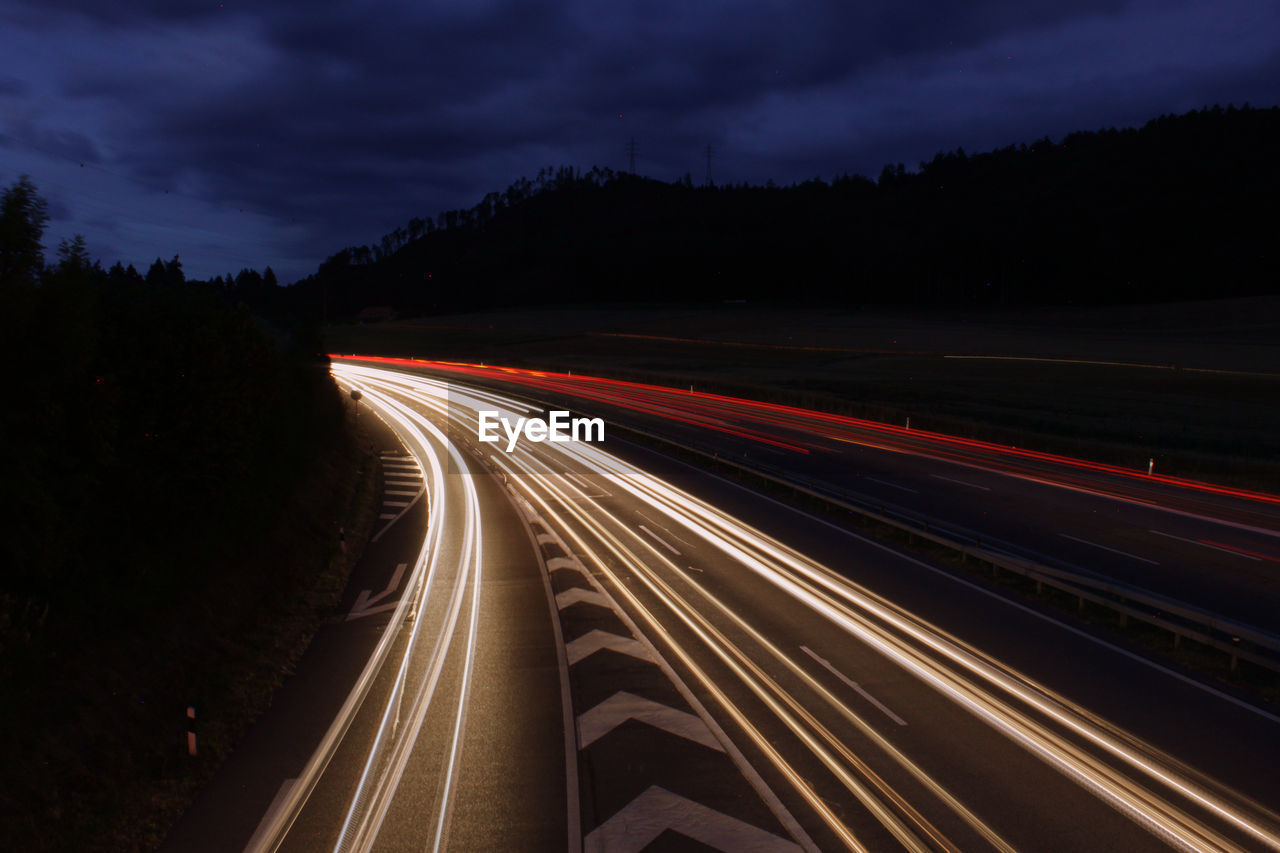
<point x="908" y="423"/>
<point x="355" y="397"/>
<point x="1151" y="465"/>
<point x="191" y="730"/>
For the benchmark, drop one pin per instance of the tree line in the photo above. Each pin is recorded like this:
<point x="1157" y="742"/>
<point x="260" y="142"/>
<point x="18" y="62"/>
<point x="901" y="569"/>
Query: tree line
<point x="1181" y="208"/>
<point x="147" y="417"/>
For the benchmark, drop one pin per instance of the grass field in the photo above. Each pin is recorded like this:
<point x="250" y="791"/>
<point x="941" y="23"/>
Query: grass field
<point x="1196" y="386"/>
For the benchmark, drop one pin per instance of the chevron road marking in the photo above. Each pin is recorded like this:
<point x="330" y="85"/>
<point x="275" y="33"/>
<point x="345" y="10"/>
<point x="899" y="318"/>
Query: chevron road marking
<point x="570" y="597"/>
<point x="657" y="810"/>
<point x="623" y="706"/>
<point x="557" y="563"/>
<point x="595" y="640"/>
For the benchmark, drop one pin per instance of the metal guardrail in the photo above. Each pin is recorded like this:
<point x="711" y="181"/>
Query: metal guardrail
<point x="1180" y="619"/>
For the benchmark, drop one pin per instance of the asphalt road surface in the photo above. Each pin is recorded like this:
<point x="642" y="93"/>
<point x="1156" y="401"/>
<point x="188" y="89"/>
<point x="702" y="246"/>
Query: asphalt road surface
<point x="591" y="646"/>
<point x="585" y="655"/>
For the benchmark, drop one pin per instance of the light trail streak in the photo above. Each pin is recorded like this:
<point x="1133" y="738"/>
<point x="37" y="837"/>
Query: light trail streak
<point x="393" y="745"/>
<point x="710" y="410"/>
<point x="937" y="659"/>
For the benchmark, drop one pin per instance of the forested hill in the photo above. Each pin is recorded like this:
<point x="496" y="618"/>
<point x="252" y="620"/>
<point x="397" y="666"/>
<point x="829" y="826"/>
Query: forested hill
<point x="1185" y="207"/>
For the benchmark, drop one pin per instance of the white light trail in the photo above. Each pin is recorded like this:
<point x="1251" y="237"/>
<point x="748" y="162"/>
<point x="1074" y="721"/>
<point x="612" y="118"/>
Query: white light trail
<point x="1068" y="738"/>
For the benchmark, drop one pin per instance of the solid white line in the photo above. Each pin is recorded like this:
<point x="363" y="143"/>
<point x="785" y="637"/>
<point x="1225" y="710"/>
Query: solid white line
<point x="1105" y="548"/>
<point x="864" y="694"/>
<point x="960" y="482"/>
<point x="1085" y="635"/>
<point x="1207" y="545"/>
<point x="660" y="540"/>
<point x="892" y="485"/>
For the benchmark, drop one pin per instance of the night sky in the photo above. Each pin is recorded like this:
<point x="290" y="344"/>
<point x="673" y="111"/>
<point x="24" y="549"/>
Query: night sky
<point x="251" y="134"/>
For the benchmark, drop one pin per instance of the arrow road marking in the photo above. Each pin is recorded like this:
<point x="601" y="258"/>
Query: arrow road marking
<point x="655" y="811"/>
<point x="364" y="605"/>
<point x="623" y="706"/>
<point x="595" y="640"/>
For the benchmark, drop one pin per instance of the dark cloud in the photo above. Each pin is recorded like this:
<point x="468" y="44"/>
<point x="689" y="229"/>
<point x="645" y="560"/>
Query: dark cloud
<point x="321" y="124"/>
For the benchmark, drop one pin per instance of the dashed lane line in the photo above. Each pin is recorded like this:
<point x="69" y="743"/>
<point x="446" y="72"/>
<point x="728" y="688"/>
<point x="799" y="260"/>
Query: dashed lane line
<point x="1105" y="548"/>
<point x="853" y="684"/>
<point x="961" y="482"/>
<point x="664" y="543"/>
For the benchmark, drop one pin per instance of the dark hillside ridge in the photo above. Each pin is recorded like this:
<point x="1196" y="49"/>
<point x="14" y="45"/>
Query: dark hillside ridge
<point x="1185" y="207"/>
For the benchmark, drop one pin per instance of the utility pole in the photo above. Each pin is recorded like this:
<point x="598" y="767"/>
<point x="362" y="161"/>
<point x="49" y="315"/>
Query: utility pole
<point x="709" y="151"/>
<point x="631" y="154"/>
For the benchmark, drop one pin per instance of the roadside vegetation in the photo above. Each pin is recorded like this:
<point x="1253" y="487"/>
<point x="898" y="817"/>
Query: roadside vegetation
<point x="177" y="473"/>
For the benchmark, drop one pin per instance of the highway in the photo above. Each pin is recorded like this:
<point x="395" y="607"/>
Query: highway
<point x="1213" y="547"/>
<point x="671" y="659"/>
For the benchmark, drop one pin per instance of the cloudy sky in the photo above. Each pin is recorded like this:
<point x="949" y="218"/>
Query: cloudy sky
<point x="238" y="134"/>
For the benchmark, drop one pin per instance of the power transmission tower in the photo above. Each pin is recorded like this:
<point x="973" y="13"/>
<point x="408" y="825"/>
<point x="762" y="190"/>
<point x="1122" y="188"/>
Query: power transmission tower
<point x="631" y="154"/>
<point x="709" y="152"/>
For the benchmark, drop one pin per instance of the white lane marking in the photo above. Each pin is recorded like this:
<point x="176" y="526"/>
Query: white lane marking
<point x="256" y="840"/>
<point x="892" y="485"/>
<point x="996" y="596"/>
<point x="411" y="466"/>
<point x="386" y="515"/>
<point x="667" y="529"/>
<point x="1207" y="545"/>
<point x="849" y="681"/>
<point x="641" y="821"/>
<point x="960" y="482"/>
<point x="595" y="640"/>
<point x="548" y="539"/>
<point x="570" y="597"/>
<point x="557" y="563"/>
<point x="623" y="706"/>
<point x="391" y="482"/>
<point x="1105" y="548"/>
<point x="579" y="480"/>
<point x="365" y="601"/>
<point x="660" y="540"/>
<point x="398" y="492"/>
<point x="395" y="503"/>
<point x="370" y="611"/>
